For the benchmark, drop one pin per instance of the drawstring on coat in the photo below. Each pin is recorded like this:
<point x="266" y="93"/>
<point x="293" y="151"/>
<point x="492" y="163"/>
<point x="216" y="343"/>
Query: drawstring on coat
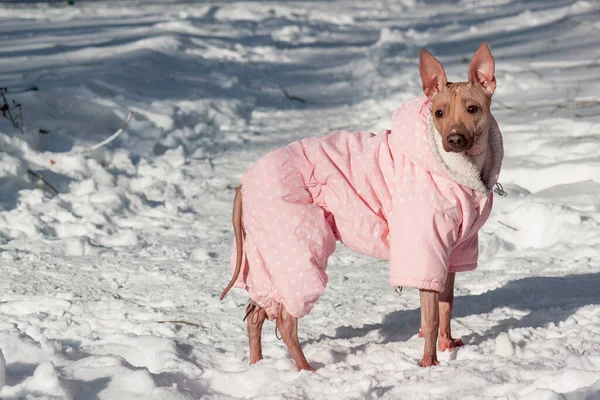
<point x="500" y="190"/>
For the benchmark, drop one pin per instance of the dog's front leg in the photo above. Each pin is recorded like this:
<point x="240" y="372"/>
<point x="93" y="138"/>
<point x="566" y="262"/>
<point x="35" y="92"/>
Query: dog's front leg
<point x="429" y="325"/>
<point x="445" y="340"/>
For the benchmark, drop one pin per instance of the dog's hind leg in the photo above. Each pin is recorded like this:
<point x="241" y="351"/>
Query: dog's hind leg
<point x="288" y="326"/>
<point x="255" y="317"/>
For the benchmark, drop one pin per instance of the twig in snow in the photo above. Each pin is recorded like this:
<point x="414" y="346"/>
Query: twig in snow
<point x="508" y="226"/>
<point x="30" y="172"/>
<point x="108" y="139"/>
<point x="6" y="109"/>
<point x="290" y="97"/>
<point x="180" y="322"/>
<point x="26" y="89"/>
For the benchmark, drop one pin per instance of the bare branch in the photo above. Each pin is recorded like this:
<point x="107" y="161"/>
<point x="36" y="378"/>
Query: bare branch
<point x="6" y="109"/>
<point x="290" y="97"/>
<point x="508" y="226"/>
<point x="108" y="139"/>
<point x="179" y="322"/>
<point x="30" y="172"/>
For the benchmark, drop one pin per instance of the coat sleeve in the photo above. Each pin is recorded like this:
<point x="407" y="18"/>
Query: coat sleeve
<point x="422" y="237"/>
<point x="464" y="256"/>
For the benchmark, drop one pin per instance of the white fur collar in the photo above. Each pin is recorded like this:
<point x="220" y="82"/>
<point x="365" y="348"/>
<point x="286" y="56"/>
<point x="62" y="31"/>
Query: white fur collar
<point x="460" y="167"/>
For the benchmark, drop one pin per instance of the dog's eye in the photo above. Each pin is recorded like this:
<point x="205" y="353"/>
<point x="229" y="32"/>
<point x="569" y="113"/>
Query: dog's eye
<point x="439" y="113"/>
<point x="472" y="109"/>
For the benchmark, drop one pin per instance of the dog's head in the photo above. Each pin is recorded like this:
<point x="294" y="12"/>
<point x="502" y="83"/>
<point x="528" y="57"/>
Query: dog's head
<point x="461" y="110"/>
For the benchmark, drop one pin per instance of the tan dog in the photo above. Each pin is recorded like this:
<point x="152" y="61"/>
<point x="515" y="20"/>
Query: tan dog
<point x="461" y="116"/>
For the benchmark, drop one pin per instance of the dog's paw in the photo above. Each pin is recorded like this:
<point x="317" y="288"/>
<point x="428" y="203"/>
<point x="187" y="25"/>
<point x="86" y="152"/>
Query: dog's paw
<point x="306" y="367"/>
<point x="429" y="361"/>
<point x="445" y="343"/>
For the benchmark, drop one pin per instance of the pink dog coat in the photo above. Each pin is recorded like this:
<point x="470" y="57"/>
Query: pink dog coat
<point x="396" y="195"/>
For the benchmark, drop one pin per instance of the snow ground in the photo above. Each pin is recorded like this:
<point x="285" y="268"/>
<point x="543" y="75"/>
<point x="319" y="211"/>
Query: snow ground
<point x="140" y="231"/>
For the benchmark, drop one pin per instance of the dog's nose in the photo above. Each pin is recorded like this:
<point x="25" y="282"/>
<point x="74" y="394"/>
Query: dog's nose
<point x="457" y="141"/>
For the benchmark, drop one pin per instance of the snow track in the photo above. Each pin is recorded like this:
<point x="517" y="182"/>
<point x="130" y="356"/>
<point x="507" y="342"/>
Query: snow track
<point x="140" y="230"/>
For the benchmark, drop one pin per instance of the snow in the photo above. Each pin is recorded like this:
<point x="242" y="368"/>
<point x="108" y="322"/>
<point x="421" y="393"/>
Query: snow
<point x="140" y="232"/>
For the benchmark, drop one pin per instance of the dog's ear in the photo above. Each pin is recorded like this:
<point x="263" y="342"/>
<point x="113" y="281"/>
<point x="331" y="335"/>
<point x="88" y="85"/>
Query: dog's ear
<point x="481" y="70"/>
<point x="432" y="73"/>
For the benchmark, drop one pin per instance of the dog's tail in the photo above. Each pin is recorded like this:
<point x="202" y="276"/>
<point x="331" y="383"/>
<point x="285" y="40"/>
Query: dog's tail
<point x="238" y="230"/>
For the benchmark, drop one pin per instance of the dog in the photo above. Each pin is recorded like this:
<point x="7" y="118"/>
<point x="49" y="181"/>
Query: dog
<point x="416" y="195"/>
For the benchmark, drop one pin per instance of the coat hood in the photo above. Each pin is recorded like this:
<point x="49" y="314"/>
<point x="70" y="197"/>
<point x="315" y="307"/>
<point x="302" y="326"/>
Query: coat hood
<point x="414" y="136"/>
